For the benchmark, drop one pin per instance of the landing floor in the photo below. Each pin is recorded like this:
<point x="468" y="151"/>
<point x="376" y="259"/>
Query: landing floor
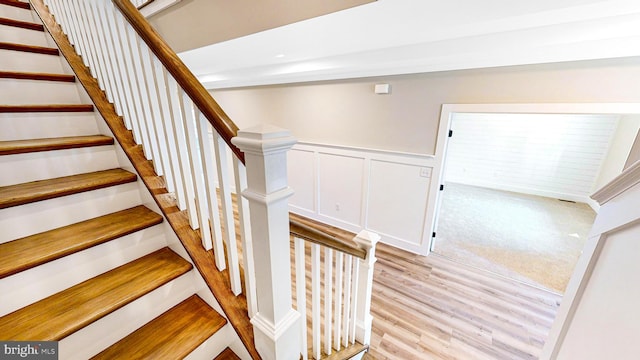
<point x="433" y="308"/>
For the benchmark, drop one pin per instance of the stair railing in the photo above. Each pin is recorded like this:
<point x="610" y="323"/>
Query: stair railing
<point x="188" y="137"/>
<point x="340" y="269"/>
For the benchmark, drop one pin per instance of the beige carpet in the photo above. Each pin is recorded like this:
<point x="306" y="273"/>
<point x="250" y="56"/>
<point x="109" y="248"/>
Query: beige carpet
<point x="532" y="239"/>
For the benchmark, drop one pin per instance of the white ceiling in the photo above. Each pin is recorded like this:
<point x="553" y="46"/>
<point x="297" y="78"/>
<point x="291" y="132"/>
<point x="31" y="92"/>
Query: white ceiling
<point x="390" y="37"/>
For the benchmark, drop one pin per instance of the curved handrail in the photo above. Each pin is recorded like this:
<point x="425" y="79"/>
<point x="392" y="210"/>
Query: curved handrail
<point x="183" y="76"/>
<point x="216" y="116"/>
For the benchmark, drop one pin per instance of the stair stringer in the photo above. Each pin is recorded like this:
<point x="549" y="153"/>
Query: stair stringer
<point x="154" y="195"/>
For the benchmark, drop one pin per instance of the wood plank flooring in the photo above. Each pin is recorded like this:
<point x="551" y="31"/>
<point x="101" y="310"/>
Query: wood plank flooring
<point x="432" y="308"/>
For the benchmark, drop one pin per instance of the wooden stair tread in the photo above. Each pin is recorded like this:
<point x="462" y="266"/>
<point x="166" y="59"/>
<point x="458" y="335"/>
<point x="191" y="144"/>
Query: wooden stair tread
<point x="61" y="314"/>
<point x="31" y="251"/>
<point x="29" y="48"/>
<point x="61" y="143"/>
<point x="172" y="335"/>
<point x="36" y="76"/>
<point x="227" y="354"/>
<point x="21" y="24"/>
<point x="46" y="108"/>
<point x="16" y="3"/>
<point x="25" y="193"/>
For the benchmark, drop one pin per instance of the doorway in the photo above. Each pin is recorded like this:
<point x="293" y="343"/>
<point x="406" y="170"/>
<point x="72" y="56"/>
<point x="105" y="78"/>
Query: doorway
<point x="516" y="185"/>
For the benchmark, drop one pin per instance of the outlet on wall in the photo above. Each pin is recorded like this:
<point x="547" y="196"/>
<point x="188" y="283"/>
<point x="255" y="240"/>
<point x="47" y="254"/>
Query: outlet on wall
<point x="425" y="172"/>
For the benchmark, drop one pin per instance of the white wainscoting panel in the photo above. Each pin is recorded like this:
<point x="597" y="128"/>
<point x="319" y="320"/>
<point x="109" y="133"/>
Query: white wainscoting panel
<point x="398" y="196"/>
<point x="302" y="179"/>
<point x="363" y="189"/>
<point x="340" y="187"/>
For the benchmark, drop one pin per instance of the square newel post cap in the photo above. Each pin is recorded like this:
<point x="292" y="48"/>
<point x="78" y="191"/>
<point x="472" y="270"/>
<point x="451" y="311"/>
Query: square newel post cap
<point x="367" y="239"/>
<point x="264" y="139"/>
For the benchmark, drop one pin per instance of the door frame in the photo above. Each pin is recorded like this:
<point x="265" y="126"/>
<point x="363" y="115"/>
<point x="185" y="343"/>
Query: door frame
<point x="442" y="140"/>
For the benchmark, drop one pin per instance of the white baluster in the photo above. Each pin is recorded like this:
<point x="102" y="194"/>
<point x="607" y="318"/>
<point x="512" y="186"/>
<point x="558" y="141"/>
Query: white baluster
<point x="93" y="48"/>
<point x="301" y="293"/>
<point x="84" y="48"/>
<point x="113" y="73"/>
<point x="367" y="241"/>
<point x="186" y="156"/>
<point x="174" y="182"/>
<point x="144" y="78"/>
<point x="185" y="202"/>
<point x="328" y="287"/>
<point x="221" y="150"/>
<point x="142" y="95"/>
<point x="196" y="171"/>
<point x="276" y="325"/>
<point x="99" y="50"/>
<point x="169" y="125"/>
<point x="212" y="195"/>
<point x="244" y="217"/>
<point x="175" y="99"/>
<point x="337" y="326"/>
<point x="347" y="298"/>
<point x="355" y="280"/>
<point x="156" y="118"/>
<point x="124" y="46"/>
<point x="315" y="301"/>
<point x="72" y="30"/>
<point x="108" y="28"/>
<point x="161" y="119"/>
<point x="110" y="18"/>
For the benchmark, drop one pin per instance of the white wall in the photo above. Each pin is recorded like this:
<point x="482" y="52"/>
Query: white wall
<point x="552" y="155"/>
<point x="598" y="317"/>
<point x="607" y="323"/>
<point x="348" y="113"/>
<point x="634" y="154"/>
<point x="621" y="144"/>
<point x="356" y="189"/>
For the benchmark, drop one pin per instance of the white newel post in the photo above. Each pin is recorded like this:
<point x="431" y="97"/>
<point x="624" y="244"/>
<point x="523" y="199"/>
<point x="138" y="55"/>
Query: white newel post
<point x="367" y="240"/>
<point x="276" y="324"/>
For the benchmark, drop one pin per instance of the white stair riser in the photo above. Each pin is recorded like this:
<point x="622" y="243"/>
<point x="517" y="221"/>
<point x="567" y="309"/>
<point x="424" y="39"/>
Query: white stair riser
<point x="53" y="164"/>
<point x="97" y="336"/>
<point x="21" y="126"/>
<point x="12" y="12"/>
<point x="36" y="92"/>
<point x="11" y="60"/>
<point x="12" y="34"/>
<point x="20" y="221"/>
<point x="45" y="280"/>
<point x="214" y="345"/>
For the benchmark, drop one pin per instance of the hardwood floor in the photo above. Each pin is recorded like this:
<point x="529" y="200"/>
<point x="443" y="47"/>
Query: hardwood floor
<point x="432" y="308"/>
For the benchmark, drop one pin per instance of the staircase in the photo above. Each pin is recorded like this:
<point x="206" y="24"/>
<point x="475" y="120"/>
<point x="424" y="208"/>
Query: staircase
<point x="86" y="259"/>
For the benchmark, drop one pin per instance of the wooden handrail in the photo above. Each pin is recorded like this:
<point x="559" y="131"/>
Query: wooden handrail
<point x="325" y="235"/>
<point x="183" y="76"/>
<point x="216" y="116"/>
